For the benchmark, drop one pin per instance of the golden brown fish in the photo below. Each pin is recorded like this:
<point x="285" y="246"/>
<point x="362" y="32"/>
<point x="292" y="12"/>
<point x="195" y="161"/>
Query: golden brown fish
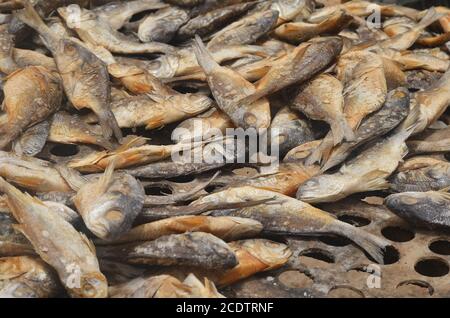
<point x="31" y="95"/>
<point x="69" y="252"/>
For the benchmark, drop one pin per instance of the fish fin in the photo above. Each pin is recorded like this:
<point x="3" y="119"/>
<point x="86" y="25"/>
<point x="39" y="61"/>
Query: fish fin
<point x="88" y="242"/>
<point x="204" y="57"/>
<point x="109" y="125"/>
<point x="376" y="180"/>
<point x="73" y="178"/>
<point x="131" y="141"/>
<point x="408" y="126"/>
<point x="105" y="180"/>
<point x="155" y="122"/>
<point x="373" y="245"/>
<point x="320" y="154"/>
<point x="341" y="130"/>
<point x="431" y="17"/>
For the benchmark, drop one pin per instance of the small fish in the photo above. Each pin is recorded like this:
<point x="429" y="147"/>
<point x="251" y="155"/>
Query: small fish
<point x="31" y="96"/>
<point x="297" y="32"/>
<point x="405" y="40"/>
<point x="225" y="228"/>
<point x="110" y="204"/>
<point x="422" y="209"/>
<point x="228" y="87"/>
<point x="66" y="128"/>
<point x="98" y="32"/>
<point x="211" y="21"/>
<point x="438" y="141"/>
<point x="33" y="140"/>
<point x="191" y="249"/>
<point x="27" y="277"/>
<point x="377" y="124"/>
<point x="366" y="172"/>
<point x="117" y="14"/>
<point x="157" y="110"/>
<point x="298" y="66"/>
<point x="132" y="153"/>
<point x="322" y="99"/>
<point x="57" y="243"/>
<point x="32" y="173"/>
<point x="7" y="63"/>
<point x="84" y="76"/>
<point x="246" y="30"/>
<point x="165" y="286"/>
<point x="162" y="25"/>
<point x="413" y="60"/>
<point x="421" y="174"/>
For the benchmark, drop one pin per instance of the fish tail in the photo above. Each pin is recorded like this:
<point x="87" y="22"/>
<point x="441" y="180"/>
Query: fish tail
<point x="30" y="17"/>
<point x="410" y="124"/>
<point x="372" y="244"/>
<point x="204" y="57"/>
<point x="321" y="153"/>
<point x="431" y="17"/>
<point x="341" y="130"/>
<point x="109" y="125"/>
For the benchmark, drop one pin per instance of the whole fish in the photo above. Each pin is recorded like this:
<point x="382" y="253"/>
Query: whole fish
<point x="110" y="204"/>
<point x="98" y="32"/>
<point x="228" y="87"/>
<point x="246" y="30"/>
<point x="66" y="128"/>
<point x="288" y="130"/>
<point x="297" y="32"/>
<point x="288" y="216"/>
<point x="225" y="228"/>
<point x="155" y="111"/>
<point x="422" y="209"/>
<point x="192" y="249"/>
<point x="421" y="174"/>
<point x="69" y="252"/>
<point x="437" y="141"/>
<point x="31" y="95"/>
<point x="84" y="76"/>
<point x="162" y="25"/>
<point x="32" y="173"/>
<point x="12" y="242"/>
<point x="323" y="99"/>
<point x="132" y="153"/>
<point x="365" y="90"/>
<point x="27" y="277"/>
<point x="165" y="286"/>
<point x="366" y="172"/>
<point x="393" y="112"/>
<point x="305" y="61"/>
<point x="7" y="63"/>
<point x="211" y="21"/>
<point x="119" y="13"/>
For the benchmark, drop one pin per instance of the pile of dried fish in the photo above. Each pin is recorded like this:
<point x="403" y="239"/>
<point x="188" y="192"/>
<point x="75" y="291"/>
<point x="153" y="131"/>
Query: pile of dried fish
<point x="102" y="100"/>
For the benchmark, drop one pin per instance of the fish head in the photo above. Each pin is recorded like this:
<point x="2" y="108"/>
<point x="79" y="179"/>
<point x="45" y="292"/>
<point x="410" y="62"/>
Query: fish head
<point x="69" y="55"/>
<point x="289" y="9"/>
<point x="92" y="285"/>
<point x="76" y="17"/>
<point x="322" y="188"/>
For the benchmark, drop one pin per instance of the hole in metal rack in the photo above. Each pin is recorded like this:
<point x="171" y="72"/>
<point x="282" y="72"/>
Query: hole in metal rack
<point x="391" y="256"/>
<point x="345" y="291"/>
<point x="62" y="150"/>
<point x="319" y="254"/>
<point x="397" y="234"/>
<point x="161" y="191"/>
<point x="354" y="220"/>
<point x="432" y="267"/>
<point x="335" y="240"/>
<point x="440" y="246"/>
<point x="419" y="283"/>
